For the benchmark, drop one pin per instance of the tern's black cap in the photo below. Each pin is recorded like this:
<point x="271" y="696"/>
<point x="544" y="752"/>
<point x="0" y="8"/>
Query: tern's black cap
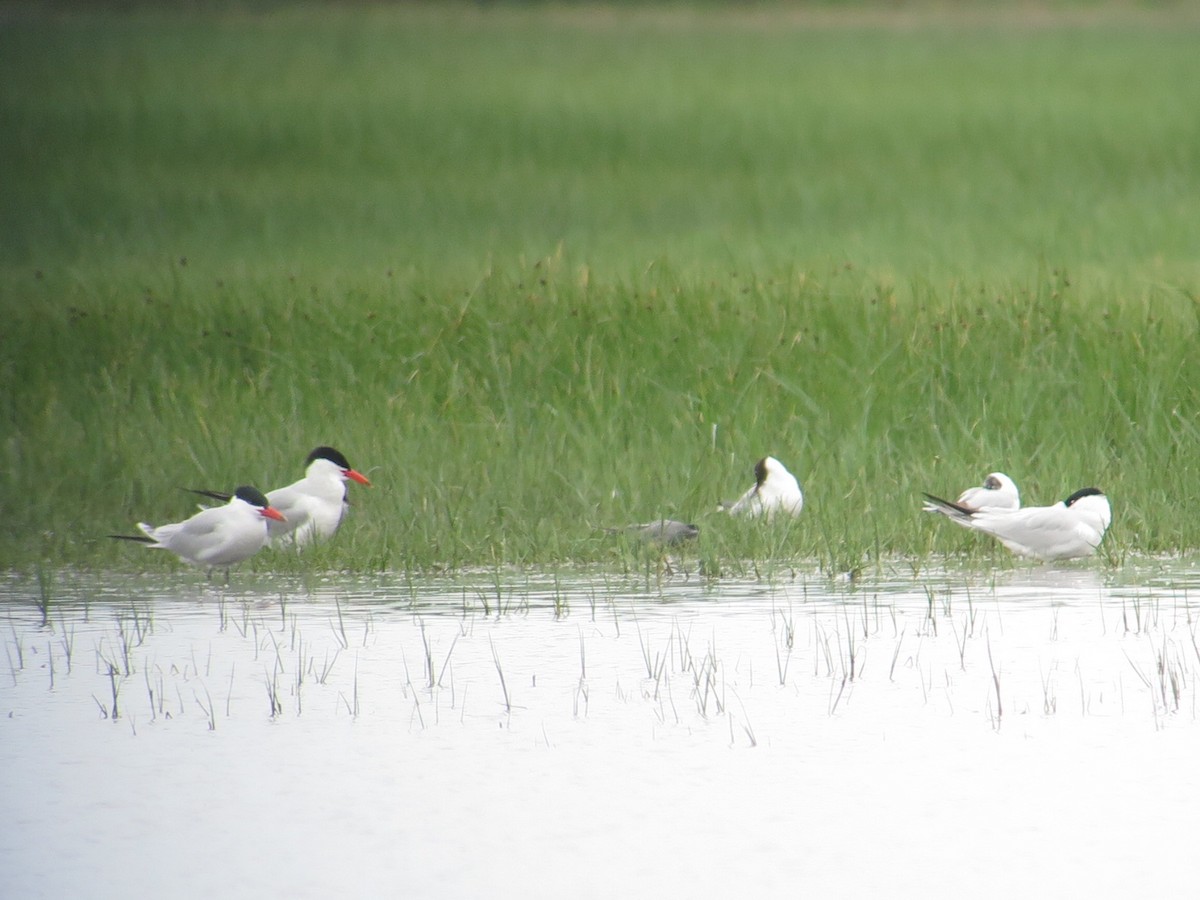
<point x="1083" y="492"/>
<point x="252" y="495"/>
<point x="329" y="453"/>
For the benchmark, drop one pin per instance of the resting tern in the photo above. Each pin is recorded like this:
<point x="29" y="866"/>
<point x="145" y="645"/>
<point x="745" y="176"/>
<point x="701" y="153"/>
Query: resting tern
<point x="775" y="490"/>
<point x="313" y="506"/>
<point x="218" y="537"/>
<point x="1066" y="530"/>
<point x="998" y="491"/>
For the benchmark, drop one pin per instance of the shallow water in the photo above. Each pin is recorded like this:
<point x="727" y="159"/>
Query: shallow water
<point x="593" y="735"/>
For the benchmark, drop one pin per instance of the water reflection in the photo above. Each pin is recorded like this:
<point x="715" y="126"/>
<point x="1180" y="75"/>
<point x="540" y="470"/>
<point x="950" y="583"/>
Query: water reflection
<point x="128" y="695"/>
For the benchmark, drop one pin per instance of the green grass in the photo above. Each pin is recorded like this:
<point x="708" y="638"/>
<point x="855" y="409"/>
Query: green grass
<point x="542" y="270"/>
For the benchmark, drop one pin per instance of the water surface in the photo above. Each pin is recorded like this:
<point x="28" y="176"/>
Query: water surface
<point x="591" y="735"/>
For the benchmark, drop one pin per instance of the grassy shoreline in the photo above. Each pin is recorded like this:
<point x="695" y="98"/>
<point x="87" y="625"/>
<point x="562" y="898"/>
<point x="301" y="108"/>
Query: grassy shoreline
<point x="540" y="280"/>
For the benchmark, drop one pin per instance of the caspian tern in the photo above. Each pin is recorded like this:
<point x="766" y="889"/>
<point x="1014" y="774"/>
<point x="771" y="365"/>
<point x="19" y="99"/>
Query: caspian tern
<point x="775" y="490"/>
<point x="663" y="531"/>
<point x="218" y="537"/>
<point x="998" y="491"/>
<point x="313" y="506"/>
<point x="1066" y="530"/>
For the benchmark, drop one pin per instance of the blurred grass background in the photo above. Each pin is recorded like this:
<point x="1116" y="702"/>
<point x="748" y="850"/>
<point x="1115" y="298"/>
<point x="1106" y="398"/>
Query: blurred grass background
<point x="538" y="269"/>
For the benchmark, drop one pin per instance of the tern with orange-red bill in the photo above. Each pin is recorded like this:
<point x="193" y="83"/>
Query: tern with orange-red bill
<point x="215" y="538"/>
<point x="314" y="506"/>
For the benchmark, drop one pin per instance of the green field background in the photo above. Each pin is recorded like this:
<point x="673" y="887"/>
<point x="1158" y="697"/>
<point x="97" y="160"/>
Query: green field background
<point x="541" y="269"/>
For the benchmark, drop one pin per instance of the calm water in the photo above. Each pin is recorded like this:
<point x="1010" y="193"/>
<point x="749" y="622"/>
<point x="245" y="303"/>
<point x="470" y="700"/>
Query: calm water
<point x="942" y="735"/>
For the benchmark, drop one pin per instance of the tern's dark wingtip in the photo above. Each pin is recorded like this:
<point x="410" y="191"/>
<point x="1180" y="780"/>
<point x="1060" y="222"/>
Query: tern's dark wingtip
<point x="212" y="495"/>
<point x="948" y="506"/>
<point x="140" y="538"/>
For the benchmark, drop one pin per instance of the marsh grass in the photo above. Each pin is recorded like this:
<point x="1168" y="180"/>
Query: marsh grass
<point x="539" y="281"/>
<point x="45" y="594"/>
<point x="597" y="413"/>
